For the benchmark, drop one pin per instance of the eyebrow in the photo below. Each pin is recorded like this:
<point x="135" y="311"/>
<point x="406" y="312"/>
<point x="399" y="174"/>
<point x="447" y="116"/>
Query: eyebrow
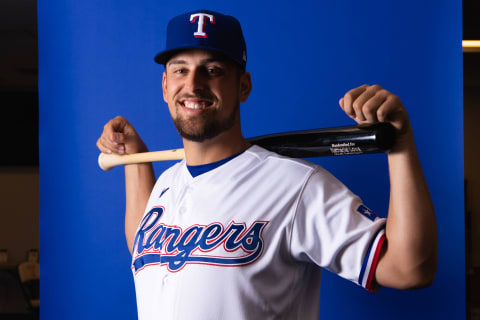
<point x="205" y="61"/>
<point x="178" y="61"/>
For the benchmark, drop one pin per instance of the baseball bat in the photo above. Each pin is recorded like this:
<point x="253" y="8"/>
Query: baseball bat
<point x="358" y="139"/>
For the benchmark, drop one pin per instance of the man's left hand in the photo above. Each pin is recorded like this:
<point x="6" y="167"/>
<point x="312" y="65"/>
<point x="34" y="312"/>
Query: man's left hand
<point x="371" y="104"/>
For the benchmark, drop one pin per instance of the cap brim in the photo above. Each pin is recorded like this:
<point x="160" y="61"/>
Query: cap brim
<point x="163" y="57"/>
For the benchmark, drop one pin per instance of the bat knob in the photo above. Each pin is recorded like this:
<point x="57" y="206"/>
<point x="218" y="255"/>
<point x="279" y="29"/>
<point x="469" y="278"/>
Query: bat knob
<point x="103" y="163"/>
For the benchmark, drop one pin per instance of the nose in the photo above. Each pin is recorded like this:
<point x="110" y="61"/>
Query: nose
<point x="195" y="80"/>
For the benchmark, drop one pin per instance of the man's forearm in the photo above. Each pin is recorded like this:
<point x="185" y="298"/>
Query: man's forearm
<point x="139" y="182"/>
<point x="410" y="256"/>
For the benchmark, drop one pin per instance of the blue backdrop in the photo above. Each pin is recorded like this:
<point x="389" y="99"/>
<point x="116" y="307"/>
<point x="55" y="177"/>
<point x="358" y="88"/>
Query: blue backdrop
<point x="96" y="62"/>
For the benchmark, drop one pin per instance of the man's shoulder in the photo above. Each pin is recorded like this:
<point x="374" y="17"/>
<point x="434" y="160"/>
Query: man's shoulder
<point x="280" y="163"/>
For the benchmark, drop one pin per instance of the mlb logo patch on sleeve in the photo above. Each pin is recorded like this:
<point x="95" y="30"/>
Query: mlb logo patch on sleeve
<point x="367" y="212"/>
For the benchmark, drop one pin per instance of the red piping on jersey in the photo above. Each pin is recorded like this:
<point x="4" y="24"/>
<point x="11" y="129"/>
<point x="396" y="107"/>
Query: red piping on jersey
<point x="373" y="267"/>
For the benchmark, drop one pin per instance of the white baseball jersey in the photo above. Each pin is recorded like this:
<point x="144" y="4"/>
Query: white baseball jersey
<point x="247" y="240"/>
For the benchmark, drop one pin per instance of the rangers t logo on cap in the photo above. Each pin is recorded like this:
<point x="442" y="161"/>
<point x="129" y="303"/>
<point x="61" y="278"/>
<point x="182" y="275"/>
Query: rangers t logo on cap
<point x="201" y="23"/>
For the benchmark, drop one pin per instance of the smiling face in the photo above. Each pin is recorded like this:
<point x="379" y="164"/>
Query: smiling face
<point x="203" y="91"/>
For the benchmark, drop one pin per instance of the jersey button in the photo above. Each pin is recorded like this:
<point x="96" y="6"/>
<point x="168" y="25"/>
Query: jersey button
<point x="183" y="210"/>
<point x="165" y="279"/>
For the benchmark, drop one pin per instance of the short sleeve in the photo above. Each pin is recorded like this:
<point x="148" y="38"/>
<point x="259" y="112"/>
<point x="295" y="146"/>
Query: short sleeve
<point x="335" y="230"/>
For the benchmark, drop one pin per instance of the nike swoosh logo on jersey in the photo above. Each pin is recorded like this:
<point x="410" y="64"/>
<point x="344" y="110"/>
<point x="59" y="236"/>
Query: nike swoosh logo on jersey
<point x="164" y="190"/>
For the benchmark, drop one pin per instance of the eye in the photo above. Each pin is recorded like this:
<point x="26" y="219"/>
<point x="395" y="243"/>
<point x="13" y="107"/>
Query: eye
<point x="179" y="71"/>
<point x="215" y="71"/>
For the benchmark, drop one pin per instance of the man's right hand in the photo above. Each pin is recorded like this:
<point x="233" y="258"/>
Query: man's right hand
<point x="119" y="136"/>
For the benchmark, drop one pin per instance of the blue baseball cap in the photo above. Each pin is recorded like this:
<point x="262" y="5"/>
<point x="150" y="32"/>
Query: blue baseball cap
<point x="207" y="30"/>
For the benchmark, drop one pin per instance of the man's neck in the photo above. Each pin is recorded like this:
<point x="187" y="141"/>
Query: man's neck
<point x="222" y="146"/>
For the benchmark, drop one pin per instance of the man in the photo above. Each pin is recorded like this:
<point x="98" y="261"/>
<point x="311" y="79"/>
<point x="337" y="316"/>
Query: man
<point x="237" y="232"/>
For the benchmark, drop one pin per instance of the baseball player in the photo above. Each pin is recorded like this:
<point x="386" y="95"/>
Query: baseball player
<point x="237" y="232"/>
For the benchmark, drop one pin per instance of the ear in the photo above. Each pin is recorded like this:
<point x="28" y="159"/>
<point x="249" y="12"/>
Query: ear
<point x="164" y="86"/>
<point x="245" y="86"/>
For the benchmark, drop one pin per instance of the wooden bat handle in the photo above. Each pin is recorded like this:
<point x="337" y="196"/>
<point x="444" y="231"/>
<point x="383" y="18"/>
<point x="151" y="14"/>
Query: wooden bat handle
<point x="108" y="161"/>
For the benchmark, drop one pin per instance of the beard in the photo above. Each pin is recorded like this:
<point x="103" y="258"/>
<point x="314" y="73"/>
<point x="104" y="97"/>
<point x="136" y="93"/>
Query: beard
<point x="205" y="126"/>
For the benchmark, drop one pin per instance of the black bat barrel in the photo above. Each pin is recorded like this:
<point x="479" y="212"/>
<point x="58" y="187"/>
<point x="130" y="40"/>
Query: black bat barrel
<point x="359" y="139"/>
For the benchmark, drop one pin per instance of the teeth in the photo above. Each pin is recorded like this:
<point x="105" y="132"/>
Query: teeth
<point x="195" y="106"/>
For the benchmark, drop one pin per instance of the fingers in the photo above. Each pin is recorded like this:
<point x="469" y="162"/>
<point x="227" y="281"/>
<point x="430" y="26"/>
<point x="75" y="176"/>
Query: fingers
<point x="112" y="139"/>
<point x="366" y="104"/>
<point x="371" y="104"/>
<point x="107" y="145"/>
<point x="371" y="107"/>
<point x="119" y="136"/>
<point x="346" y="103"/>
